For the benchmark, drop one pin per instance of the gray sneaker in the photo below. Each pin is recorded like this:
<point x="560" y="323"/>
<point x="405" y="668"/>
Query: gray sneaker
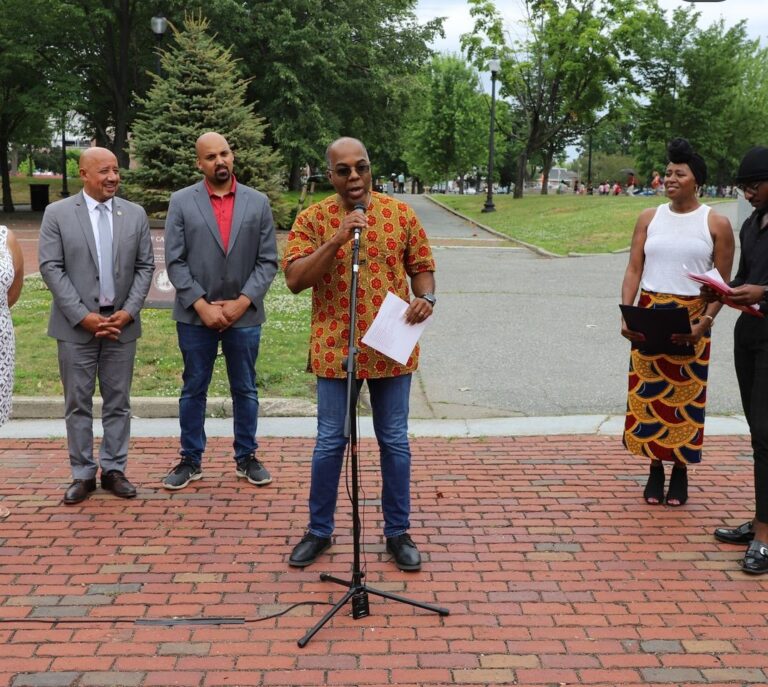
<point x="182" y="475"/>
<point x="253" y="471"/>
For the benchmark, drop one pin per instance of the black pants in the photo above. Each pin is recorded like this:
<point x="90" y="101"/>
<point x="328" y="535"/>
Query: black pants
<point x="750" y="354"/>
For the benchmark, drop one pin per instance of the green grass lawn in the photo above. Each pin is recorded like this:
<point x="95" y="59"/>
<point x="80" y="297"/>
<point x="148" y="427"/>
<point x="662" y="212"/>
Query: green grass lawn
<point x="20" y="187"/>
<point x="561" y="224"/>
<point x="280" y="368"/>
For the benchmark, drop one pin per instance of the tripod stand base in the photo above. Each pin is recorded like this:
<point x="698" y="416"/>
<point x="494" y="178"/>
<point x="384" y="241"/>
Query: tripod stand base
<point x="358" y="594"/>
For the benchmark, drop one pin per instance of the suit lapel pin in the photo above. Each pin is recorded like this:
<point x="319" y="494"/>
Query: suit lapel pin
<point x="119" y="213"/>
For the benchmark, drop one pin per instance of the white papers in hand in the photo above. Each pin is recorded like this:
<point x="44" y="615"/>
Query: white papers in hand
<point x="390" y="334"/>
<point x="714" y="280"/>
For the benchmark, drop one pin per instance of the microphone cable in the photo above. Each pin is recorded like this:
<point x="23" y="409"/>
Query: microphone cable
<point x="167" y="622"/>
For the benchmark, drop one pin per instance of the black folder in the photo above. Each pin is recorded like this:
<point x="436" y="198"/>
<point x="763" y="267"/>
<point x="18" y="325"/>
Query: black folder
<point x="658" y="325"/>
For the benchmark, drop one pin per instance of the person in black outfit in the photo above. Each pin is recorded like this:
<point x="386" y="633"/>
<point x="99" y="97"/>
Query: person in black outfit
<point x="750" y="353"/>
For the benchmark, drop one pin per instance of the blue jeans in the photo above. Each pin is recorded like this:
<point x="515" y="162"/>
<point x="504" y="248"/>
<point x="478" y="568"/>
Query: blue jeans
<point x="199" y="346"/>
<point x="389" y="402"/>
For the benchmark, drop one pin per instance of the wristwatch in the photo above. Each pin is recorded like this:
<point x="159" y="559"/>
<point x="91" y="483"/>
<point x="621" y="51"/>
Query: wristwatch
<point x="429" y="297"/>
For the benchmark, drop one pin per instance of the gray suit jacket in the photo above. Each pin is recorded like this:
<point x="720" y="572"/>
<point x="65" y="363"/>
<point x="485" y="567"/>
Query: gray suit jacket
<point x="197" y="265"/>
<point x="69" y="265"/>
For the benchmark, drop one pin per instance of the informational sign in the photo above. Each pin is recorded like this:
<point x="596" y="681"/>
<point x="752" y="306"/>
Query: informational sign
<point x="161" y="291"/>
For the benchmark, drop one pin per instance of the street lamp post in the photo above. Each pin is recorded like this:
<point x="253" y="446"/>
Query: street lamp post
<point x="494" y="65"/>
<point x="159" y="26"/>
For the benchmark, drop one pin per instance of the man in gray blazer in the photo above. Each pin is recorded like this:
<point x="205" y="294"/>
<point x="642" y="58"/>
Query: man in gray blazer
<point x="221" y="255"/>
<point x="95" y="256"/>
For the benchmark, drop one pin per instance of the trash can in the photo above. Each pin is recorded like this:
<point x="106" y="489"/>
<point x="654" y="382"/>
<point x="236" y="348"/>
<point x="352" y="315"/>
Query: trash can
<point x="38" y="195"/>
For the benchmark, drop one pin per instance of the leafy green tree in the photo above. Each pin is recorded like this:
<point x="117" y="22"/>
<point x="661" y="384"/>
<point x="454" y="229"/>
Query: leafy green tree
<point x="708" y="85"/>
<point x="320" y="70"/>
<point x="746" y="109"/>
<point x="27" y="98"/>
<point x="566" y="68"/>
<point x="201" y="90"/>
<point x="112" y="56"/>
<point x="448" y="124"/>
<point x="659" y="46"/>
<point x="713" y="66"/>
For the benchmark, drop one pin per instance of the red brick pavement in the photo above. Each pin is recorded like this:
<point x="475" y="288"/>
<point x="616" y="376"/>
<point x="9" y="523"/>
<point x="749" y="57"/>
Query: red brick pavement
<point x="555" y="572"/>
<point x="26" y="227"/>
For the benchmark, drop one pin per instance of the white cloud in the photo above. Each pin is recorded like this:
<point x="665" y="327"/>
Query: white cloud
<point x="458" y="21"/>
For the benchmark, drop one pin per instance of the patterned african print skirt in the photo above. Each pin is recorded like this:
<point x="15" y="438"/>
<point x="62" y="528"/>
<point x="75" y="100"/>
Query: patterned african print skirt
<point x="667" y="393"/>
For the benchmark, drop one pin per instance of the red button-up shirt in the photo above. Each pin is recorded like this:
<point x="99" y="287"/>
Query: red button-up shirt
<point x="223" y="209"/>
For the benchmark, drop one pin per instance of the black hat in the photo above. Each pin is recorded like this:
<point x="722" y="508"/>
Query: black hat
<point x="754" y="165"/>
<point x="680" y="151"/>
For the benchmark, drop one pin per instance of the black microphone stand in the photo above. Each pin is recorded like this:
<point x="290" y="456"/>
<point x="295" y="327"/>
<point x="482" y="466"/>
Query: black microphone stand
<point x="357" y="592"/>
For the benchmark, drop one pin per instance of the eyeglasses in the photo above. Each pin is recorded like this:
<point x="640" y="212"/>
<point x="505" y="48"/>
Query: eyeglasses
<point x="750" y="189"/>
<point x="345" y="171"/>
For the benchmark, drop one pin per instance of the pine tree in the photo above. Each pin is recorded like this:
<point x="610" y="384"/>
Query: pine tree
<point x="200" y="90"/>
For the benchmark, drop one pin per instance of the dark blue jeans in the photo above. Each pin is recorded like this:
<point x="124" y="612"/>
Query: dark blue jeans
<point x="389" y="402"/>
<point x="199" y="346"/>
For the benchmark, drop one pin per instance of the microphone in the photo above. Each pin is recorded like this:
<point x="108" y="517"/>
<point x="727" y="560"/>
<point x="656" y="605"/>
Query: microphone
<point x="359" y="207"/>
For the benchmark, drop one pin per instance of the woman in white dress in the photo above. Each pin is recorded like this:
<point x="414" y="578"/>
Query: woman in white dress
<point x="11" y="278"/>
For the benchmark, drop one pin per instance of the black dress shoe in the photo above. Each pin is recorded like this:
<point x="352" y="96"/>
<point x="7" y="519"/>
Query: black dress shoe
<point x="743" y="534"/>
<point x="116" y="482"/>
<point x="755" y="560"/>
<point x="404" y="552"/>
<point x="308" y="549"/>
<point x="79" y="489"/>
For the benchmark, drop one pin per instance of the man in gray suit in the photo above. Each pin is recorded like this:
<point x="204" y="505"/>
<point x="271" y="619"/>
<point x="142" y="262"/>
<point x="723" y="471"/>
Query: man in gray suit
<point x="95" y="256"/>
<point x="221" y="254"/>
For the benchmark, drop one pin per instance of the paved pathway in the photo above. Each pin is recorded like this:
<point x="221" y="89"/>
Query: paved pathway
<point x="519" y="334"/>
<point x="554" y="571"/>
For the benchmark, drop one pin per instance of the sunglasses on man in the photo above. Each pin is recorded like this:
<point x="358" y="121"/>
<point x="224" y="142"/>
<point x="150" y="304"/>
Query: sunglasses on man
<point x="750" y="189"/>
<point x="344" y="171"/>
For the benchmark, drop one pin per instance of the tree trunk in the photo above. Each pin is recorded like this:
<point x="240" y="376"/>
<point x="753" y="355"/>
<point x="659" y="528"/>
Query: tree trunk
<point x="545" y="172"/>
<point x="294" y="176"/>
<point x="123" y="93"/>
<point x="545" y="182"/>
<point x="522" y="164"/>
<point x="4" y="171"/>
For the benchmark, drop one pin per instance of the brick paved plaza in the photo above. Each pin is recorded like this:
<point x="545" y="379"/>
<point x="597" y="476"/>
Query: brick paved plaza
<point x="553" y="568"/>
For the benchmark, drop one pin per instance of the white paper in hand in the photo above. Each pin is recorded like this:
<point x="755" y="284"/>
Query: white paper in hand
<point x="714" y="280"/>
<point x="390" y="334"/>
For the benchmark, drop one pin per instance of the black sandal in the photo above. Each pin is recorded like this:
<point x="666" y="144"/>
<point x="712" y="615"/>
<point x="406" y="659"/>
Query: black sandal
<point x="654" y="488"/>
<point x="678" y="486"/>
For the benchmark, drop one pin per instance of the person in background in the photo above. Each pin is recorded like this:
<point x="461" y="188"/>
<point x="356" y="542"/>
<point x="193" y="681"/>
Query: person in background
<point x="667" y="393"/>
<point x="656" y="182"/>
<point x="11" y="280"/>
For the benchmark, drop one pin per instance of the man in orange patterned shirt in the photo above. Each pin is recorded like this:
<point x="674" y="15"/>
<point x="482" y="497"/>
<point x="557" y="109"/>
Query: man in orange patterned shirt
<point x="393" y="247"/>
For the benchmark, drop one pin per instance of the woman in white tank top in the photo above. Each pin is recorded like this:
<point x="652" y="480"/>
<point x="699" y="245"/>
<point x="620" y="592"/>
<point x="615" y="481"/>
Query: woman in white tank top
<point x="667" y="393"/>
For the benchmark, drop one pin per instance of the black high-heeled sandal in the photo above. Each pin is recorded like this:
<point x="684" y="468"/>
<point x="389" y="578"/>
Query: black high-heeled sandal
<point x="678" y="486"/>
<point x="654" y="488"/>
